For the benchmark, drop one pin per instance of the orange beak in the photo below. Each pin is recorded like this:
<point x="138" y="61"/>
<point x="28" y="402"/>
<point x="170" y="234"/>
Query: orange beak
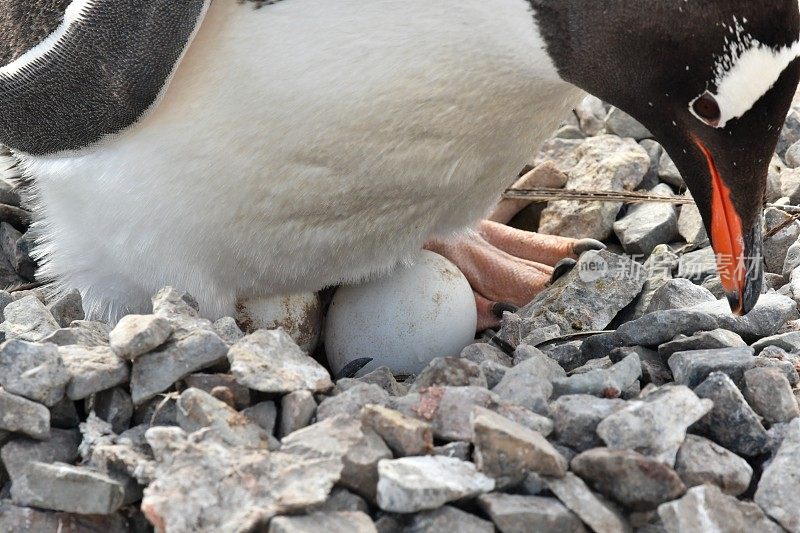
<point x="726" y="235"/>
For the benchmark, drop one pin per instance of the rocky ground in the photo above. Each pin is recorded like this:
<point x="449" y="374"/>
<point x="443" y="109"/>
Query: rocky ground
<point x="678" y="417"/>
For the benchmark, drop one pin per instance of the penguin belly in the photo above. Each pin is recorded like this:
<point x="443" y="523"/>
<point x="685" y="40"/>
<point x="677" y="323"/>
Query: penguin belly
<point x="301" y="145"/>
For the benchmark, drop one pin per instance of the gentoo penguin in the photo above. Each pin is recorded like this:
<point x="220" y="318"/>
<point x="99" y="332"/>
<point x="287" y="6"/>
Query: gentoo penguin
<point x="235" y="151"/>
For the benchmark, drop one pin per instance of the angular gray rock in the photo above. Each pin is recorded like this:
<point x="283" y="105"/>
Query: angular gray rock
<point x="33" y="370"/>
<point x="28" y="319"/>
<point x="227" y="329"/>
<point x="704" y="340"/>
<point x="67" y="308"/>
<point x="350" y="521"/>
<point x="692" y="368"/>
<point x="20" y="415"/>
<point x="92" y="370"/>
<point x="506" y="451"/>
<point x="776" y="247"/>
<point x="732" y="422"/>
<point x="25" y="519"/>
<point x="448" y="409"/>
<point x="679" y="293"/>
<point x="115" y="406"/>
<point x="699" y="265"/>
<point x="787" y="341"/>
<point x="645" y="226"/>
<point x="352" y="400"/>
<point x="588" y="297"/>
<point x="481" y="351"/>
<point x="198" y="409"/>
<point x="82" y="332"/>
<point x="777" y="490"/>
<point x="412" y="484"/>
<point x="358" y="448"/>
<point x="623" y="125"/>
<point x="656" y="425"/>
<point x="591" y="508"/>
<point x="61" y="447"/>
<point x="706" y="508"/>
<point x="157" y="371"/>
<point x="448" y="518"/>
<point x="513" y="513"/>
<point x="701" y="461"/>
<point x="67" y="488"/>
<point x="669" y="173"/>
<point x="136" y="335"/>
<point x="529" y="383"/>
<point x="264" y="414"/>
<point x="605" y="162"/>
<point x="203" y="485"/>
<point x="659" y="327"/>
<point x="608" y="383"/>
<point x="270" y="361"/>
<point x="403" y="434"/>
<point x="690" y="224"/>
<point x="576" y="418"/>
<point x="770" y="395"/>
<point x="208" y="382"/>
<point x="297" y="410"/>
<point x="452" y="371"/>
<point x="632" y="479"/>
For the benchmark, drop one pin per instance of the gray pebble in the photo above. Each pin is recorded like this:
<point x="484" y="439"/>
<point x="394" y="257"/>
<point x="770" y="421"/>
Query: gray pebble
<point x="136" y="335"/>
<point x="61" y="447"/>
<point x="157" y="371"/>
<point x="198" y="409"/>
<point x="227" y="329"/>
<point x="34" y="371"/>
<point x="576" y="418"/>
<point x="92" y="370"/>
<point x="732" y="422"/>
<point x="706" y="508"/>
<point x="623" y="125"/>
<point x="704" y="340"/>
<point x="115" y="407"/>
<point x="634" y="480"/>
<point x="28" y="319"/>
<point x="655" y="329"/>
<point x="656" y="425"/>
<point x="770" y="395"/>
<point x="72" y="489"/>
<point x="21" y="415"/>
<point x="593" y="510"/>
<point x="645" y="226"/>
<point x="270" y="361"/>
<point x="297" y="410"/>
<point x="67" y="308"/>
<point x="608" y="383"/>
<point x="514" y="514"/>
<point x="701" y="461"/>
<point x="453" y="371"/>
<point x="679" y="294"/>
<point x="777" y="490"/>
<point x="765" y="319"/>
<point x="692" y="368"/>
<point x="207" y="383"/>
<point x="412" y="484"/>
<point x="448" y="518"/>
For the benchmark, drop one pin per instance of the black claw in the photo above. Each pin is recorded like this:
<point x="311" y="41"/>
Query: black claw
<point x="503" y="307"/>
<point x="587" y="245"/>
<point x="351" y="369"/>
<point x="561" y="268"/>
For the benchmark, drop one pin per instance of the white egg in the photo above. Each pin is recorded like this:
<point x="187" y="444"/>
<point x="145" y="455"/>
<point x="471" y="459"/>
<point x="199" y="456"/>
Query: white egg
<point x="402" y="321"/>
<point x="300" y="315"/>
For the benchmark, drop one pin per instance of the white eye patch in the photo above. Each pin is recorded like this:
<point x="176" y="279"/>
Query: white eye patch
<point x="745" y="73"/>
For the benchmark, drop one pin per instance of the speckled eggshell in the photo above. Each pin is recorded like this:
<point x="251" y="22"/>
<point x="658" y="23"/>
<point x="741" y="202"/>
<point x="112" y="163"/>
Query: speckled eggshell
<point x="402" y="321"/>
<point x="300" y="315"/>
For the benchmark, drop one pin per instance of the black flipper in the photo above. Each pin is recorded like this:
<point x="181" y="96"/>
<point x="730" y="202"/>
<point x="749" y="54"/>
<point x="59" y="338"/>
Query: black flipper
<point x="104" y="72"/>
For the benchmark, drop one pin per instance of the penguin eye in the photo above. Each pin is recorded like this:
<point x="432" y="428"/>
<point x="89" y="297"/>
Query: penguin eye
<point x="707" y="108"/>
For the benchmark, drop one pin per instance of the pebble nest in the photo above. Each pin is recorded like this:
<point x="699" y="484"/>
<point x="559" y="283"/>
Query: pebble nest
<point x="624" y="398"/>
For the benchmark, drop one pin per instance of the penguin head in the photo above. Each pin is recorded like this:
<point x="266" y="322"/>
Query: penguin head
<point x="712" y="81"/>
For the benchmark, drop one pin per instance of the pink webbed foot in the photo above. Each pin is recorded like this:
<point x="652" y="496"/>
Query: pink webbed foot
<point x="505" y="266"/>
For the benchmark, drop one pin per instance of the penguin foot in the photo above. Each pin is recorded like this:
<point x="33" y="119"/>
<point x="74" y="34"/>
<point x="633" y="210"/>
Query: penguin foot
<point x="506" y="267"/>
